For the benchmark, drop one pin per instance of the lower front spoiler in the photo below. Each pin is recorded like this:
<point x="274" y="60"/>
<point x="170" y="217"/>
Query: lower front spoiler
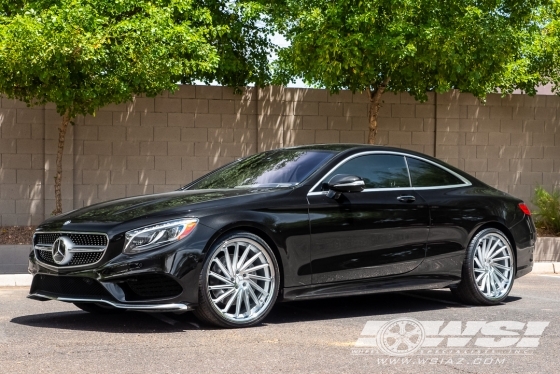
<point x="174" y="307"/>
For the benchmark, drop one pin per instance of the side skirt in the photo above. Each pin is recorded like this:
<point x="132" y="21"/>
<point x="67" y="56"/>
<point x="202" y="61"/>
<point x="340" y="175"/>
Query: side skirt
<point x="367" y="287"/>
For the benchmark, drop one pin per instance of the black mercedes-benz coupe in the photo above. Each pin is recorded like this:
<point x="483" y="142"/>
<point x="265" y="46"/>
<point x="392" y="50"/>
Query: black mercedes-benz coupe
<point x="296" y="223"/>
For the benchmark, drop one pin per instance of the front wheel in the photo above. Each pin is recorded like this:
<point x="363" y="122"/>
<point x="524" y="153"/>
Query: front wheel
<point x="239" y="282"/>
<point x="488" y="270"/>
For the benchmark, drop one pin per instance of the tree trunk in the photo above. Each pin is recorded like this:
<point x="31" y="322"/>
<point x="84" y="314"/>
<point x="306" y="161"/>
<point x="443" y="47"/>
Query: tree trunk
<point x="59" y="152"/>
<point x="375" y="103"/>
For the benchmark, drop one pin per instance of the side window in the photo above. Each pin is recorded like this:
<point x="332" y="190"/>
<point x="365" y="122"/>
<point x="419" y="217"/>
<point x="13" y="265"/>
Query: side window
<point x="424" y="174"/>
<point x="377" y="171"/>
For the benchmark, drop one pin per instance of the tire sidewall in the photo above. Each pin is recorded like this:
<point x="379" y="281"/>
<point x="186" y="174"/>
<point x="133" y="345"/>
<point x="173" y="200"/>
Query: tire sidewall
<point x="204" y="292"/>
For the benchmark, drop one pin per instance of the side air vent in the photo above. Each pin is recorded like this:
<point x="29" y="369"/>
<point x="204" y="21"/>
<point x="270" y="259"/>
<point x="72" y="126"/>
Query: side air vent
<point x="67" y="286"/>
<point x="150" y="286"/>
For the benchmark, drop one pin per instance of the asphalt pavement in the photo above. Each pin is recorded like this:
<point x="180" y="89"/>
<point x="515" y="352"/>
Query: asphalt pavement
<point x="338" y="335"/>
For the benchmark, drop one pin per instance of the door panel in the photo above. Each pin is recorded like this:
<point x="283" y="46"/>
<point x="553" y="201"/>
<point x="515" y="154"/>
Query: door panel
<point x="453" y="214"/>
<point x="366" y="235"/>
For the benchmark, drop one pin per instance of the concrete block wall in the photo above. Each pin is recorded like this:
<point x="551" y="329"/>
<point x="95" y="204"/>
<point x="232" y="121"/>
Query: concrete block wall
<point x="512" y="143"/>
<point x="22" y="163"/>
<point x="158" y="144"/>
<point x="406" y="123"/>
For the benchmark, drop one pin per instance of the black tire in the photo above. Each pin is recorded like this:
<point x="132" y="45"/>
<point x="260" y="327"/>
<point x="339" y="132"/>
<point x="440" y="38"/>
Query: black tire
<point x="208" y="310"/>
<point x="468" y="291"/>
<point x="98" y="309"/>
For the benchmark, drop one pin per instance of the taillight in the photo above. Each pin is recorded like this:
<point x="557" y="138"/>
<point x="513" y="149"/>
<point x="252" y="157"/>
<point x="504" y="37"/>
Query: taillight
<point x="525" y="209"/>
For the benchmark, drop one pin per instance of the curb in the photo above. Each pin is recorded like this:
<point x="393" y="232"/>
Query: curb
<point x="546" y="268"/>
<point x="15" y="280"/>
<point x="24" y="280"/>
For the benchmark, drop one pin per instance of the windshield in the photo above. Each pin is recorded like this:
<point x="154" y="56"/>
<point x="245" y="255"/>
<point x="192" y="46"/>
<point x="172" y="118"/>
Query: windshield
<point x="279" y="168"/>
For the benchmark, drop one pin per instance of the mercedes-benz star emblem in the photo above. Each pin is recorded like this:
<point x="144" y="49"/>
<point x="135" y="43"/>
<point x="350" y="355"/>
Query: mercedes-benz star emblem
<point x="61" y="250"/>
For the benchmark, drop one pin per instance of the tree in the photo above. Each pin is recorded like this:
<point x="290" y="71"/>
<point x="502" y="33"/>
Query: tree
<point x="414" y="46"/>
<point x="542" y="54"/>
<point x="84" y="54"/>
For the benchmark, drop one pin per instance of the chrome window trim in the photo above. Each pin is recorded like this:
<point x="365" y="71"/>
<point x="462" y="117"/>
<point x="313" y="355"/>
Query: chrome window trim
<point x="465" y="183"/>
<point x="53" y="267"/>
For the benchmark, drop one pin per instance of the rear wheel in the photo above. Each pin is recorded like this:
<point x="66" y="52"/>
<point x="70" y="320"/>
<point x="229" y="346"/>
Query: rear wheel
<point x="488" y="270"/>
<point x="239" y="282"/>
<point x="98" y="308"/>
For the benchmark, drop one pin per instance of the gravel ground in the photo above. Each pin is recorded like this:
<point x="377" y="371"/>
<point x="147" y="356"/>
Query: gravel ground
<point x="299" y="337"/>
<point x="16" y="234"/>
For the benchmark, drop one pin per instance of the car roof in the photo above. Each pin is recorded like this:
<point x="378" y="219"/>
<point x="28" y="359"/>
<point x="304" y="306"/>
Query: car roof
<point x="346" y="147"/>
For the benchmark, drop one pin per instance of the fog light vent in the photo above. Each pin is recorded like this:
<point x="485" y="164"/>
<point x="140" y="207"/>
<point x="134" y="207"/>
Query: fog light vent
<point x="151" y="286"/>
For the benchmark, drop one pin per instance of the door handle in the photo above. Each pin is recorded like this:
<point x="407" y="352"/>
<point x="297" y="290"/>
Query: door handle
<point x="406" y="199"/>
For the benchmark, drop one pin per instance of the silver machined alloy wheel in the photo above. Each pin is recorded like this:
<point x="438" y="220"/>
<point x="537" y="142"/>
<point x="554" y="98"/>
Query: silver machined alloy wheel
<point x="488" y="270"/>
<point x="493" y="265"/>
<point x="238" y="282"/>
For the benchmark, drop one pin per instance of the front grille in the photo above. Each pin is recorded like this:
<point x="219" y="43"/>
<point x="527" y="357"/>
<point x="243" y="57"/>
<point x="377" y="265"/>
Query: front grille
<point x="46" y="238"/>
<point x="44" y="241"/>
<point x="84" y="258"/>
<point x="45" y="256"/>
<point x="151" y="286"/>
<point x="72" y="286"/>
<point x="78" y="239"/>
<point x="81" y="258"/>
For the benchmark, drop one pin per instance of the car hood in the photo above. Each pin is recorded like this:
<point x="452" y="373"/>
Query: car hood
<point x="169" y="204"/>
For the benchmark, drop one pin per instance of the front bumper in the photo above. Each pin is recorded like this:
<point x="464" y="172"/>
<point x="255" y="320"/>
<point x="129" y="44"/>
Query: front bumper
<point x="164" y="279"/>
<point x="171" y="307"/>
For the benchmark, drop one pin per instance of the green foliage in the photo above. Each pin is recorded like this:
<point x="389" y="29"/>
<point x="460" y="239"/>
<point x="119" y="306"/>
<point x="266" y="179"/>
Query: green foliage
<point x="244" y="49"/>
<point x="476" y="46"/>
<point x="543" y="62"/>
<point x="84" y="54"/>
<point x="547" y="217"/>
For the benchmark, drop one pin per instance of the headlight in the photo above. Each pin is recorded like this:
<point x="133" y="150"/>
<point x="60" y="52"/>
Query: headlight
<point x="154" y="236"/>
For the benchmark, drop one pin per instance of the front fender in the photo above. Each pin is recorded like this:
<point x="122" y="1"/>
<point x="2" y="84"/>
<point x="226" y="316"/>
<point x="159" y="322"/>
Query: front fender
<point x="286" y="232"/>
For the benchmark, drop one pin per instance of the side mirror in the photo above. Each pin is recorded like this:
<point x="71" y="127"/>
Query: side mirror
<point x="344" y="183"/>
